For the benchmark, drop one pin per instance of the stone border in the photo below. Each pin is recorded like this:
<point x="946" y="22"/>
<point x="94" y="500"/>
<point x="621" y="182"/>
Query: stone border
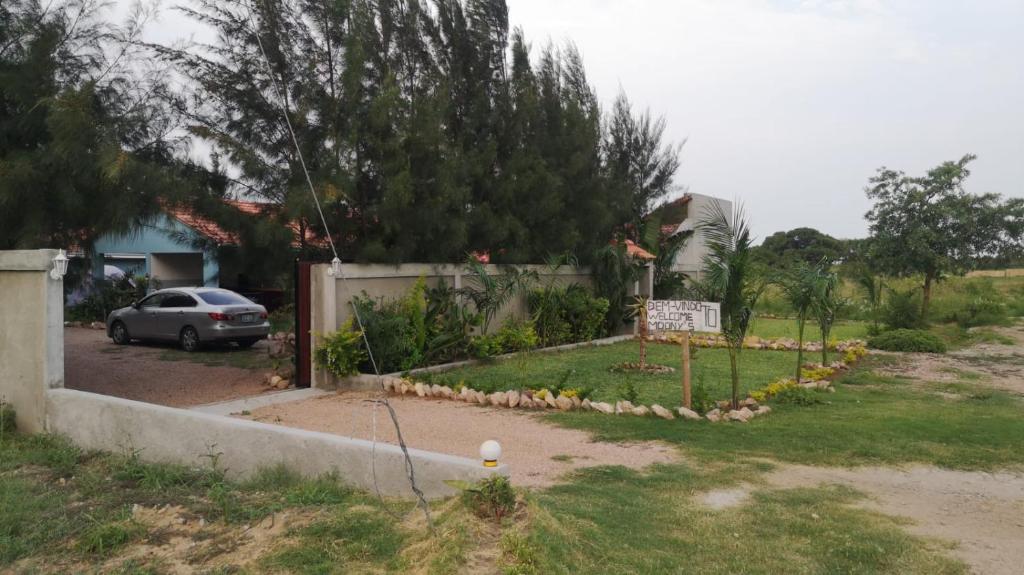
<point x="544" y="399"/>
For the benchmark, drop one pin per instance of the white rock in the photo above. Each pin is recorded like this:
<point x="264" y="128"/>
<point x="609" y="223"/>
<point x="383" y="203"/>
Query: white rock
<point x="662" y="412"/>
<point x="513" y="398"/>
<point x="641" y="410"/>
<point x="714" y="415"/>
<point x="564" y="403"/>
<point x="435" y="390"/>
<point x="763" y="410"/>
<point x="481" y="398"/>
<point x="623" y="406"/>
<point x="421" y="390"/>
<point x="688" y="414"/>
<point x="446" y="392"/>
<point x="603" y="407"/>
<point x="586" y="405"/>
<point x="275" y="380"/>
<point x="549" y="398"/>
<point x="499" y="399"/>
<point x="576" y="402"/>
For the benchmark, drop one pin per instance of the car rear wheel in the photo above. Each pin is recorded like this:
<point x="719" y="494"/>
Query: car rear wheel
<point x="248" y="342"/>
<point x="189" y="339"/>
<point x="119" y="333"/>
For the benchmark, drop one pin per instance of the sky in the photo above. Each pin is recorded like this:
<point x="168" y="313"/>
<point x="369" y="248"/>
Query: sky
<point x="790" y="106"/>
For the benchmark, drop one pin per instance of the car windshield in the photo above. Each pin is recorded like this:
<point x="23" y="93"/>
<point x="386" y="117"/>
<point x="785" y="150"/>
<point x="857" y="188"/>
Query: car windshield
<point x="222" y="298"/>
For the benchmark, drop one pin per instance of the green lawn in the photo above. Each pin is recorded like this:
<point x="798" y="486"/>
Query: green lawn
<point x="773" y="328"/>
<point x="592" y="367"/>
<point x="871" y="419"/>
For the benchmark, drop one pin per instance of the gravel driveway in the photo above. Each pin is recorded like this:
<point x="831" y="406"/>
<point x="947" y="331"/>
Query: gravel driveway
<point x="159" y="373"/>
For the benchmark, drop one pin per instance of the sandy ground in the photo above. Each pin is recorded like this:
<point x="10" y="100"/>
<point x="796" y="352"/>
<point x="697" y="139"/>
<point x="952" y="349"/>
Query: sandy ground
<point x="993" y="365"/>
<point x="982" y="512"/>
<point x="538" y="453"/>
<point x="94" y="363"/>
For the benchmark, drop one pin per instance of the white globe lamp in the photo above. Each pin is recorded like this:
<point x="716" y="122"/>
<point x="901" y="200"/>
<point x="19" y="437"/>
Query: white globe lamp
<point x="490" y="452"/>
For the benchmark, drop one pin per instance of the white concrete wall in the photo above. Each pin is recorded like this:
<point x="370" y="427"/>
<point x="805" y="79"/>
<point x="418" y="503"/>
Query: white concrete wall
<point x="31" y="334"/>
<point x="32" y="378"/>
<point x="690" y="259"/>
<point x="166" y="434"/>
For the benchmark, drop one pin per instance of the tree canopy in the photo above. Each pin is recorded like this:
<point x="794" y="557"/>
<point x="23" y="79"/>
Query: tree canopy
<point x="931" y="226"/>
<point x="806" y="245"/>
<point x="85" y="142"/>
<point x="429" y="129"/>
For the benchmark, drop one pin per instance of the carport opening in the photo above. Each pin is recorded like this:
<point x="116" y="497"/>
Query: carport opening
<point x="157" y="370"/>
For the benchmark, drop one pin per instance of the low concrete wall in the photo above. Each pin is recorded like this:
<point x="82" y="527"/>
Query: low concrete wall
<point x="165" y="434"/>
<point x="31" y="333"/>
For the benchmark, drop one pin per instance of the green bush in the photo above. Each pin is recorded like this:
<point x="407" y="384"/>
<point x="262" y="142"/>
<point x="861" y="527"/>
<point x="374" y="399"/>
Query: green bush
<point x="490" y="498"/>
<point x="425" y="326"/>
<point x="977" y="303"/>
<point x="341" y="352"/>
<point x="796" y="396"/>
<point x="908" y="340"/>
<point x="108" y="295"/>
<point x="902" y="310"/>
<point x="700" y="398"/>
<point x="564" y="315"/>
<point x="515" y="336"/>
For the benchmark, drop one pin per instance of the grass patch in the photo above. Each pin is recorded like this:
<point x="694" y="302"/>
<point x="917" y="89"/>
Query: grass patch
<point x="591" y="367"/>
<point x="776" y="328"/>
<point x="222" y="356"/>
<point x="870" y="420"/>
<point x="615" y="520"/>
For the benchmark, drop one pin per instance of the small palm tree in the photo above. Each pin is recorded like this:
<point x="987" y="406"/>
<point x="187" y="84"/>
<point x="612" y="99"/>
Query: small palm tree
<point x="827" y="304"/>
<point x="490" y="293"/>
<point x="638" y="309"/>
<point x="730" y="279"/>
<point x="873" y="288"/>
<point x="800" y="286"/>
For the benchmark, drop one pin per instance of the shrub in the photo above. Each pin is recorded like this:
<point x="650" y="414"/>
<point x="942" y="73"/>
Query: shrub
<point x="980" y="304"/>
<point x="567" y="315"/>
<point x="700" y="398"/>
<point x="797" y="395"/>
<point x="515" y="336"/>
<point x="902" y="310"/>
<point x="341" y="352"/>
<point x="108" y="295"/>
<point x="908" y="340"/>
<point x="773" y="389"/>
<point x="492" y="497"/>
<point x="484" y="346"/>
<point x="628" y="392"/>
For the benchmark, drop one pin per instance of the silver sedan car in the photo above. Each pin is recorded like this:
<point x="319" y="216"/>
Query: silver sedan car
<point x="192" y="317"/>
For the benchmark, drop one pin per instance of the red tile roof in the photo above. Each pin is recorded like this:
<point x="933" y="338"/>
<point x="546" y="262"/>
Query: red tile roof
<point x="212" y="230"/>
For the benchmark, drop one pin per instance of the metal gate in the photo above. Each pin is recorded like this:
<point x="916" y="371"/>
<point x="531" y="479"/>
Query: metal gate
<point x="303" y="324"/>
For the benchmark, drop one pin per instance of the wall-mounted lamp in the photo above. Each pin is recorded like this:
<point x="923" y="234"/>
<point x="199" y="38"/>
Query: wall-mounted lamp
<point x="490" y="451"/>
<point x="335" y="270"/>
<point x="60" y="265"/>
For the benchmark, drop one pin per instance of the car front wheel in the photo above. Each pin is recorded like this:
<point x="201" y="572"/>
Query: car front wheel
<point x="189" y="339"/>
<point x="119" y="333"/>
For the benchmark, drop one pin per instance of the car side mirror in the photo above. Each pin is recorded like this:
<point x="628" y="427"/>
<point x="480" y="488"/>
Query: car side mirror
<point x="135" y="305"/>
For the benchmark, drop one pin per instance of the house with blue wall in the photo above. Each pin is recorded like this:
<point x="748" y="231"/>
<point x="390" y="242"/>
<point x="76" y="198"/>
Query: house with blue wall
<point x="171" y="248"/>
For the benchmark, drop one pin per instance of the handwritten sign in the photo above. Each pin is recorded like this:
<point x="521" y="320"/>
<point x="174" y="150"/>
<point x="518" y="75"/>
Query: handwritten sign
<point x="667" y="315"/>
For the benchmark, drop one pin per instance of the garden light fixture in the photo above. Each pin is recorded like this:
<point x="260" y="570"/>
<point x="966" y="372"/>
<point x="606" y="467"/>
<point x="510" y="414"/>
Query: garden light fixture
<point x="490" y="451"/>
<point x="60" y="265"/>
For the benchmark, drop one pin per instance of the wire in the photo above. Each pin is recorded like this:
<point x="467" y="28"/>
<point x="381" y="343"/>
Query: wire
<point x="409" y="467"/>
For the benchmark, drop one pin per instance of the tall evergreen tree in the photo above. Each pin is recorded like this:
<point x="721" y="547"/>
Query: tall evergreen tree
<point x="85" y="145"/>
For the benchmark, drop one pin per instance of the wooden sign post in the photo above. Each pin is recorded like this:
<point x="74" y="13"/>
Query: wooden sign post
<point x="685" y="317"/>
<point x="687" y="395"/>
